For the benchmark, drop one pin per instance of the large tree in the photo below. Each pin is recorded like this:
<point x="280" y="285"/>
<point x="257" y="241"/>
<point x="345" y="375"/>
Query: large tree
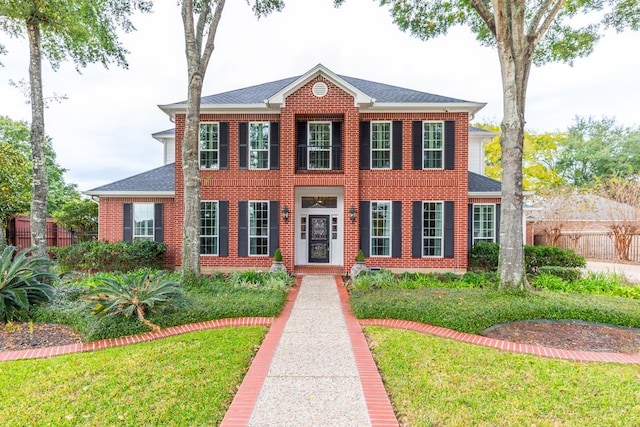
<point x="598" y="150"/>
<point x="200" y="19"/>
<point x="84" y="31"/>
<point x="523" y="32"/>
<point x="59" y="192"/>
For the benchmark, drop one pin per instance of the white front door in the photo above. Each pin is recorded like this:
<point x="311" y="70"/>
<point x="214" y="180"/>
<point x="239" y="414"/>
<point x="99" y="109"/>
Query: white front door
<point x="319" y="230"/>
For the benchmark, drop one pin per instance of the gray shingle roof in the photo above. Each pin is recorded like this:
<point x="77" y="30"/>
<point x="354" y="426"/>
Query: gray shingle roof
<point x="483" y="184"/>
<point x="379" y="91"/>
<point x="156" y="180"/>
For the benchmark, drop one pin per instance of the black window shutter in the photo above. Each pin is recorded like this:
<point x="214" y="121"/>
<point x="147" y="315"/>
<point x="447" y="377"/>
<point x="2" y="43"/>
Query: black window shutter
<point x="243" y="232"/>
<point x="498" y="207"/>
<point x="274" y="226"/>
<point x="396" y="229"/>
<point x="224" y="145"/>
<point x="365" y="145"/>
<point x="158" y="226"/>
<point x="396" y="148"/>
<point x="336" y="146"/>
<point x="302" y="145"/>
<point x="243" y="145"/>
<point x="448" y="229"/>
<point x="416" y="143"/>
<point x="127" y="222"/>
<point x="223" y="228"/>
<point x="274" y="145"/>
<point x="416" y="229"/>
<point x="365" y="225"/>
<point x="449" y="145"/>
<point x="470" y="226"/>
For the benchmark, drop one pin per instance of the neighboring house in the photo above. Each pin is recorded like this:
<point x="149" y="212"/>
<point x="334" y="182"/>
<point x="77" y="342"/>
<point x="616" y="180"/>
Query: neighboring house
<point x="319" y="165"/>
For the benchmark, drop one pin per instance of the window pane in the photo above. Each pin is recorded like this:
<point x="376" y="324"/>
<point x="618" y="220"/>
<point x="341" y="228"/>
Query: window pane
<point x="380" y="228"/>
<point x="381" y="145"/>
<point x="483" y="223"/>
<point x="319" y="146"/>
<point x="259" y="145"/>
<point x="209" y="140"/>
<point x="432" y="144"/>
<point x="258" y="228"/>
<point x="209" y="228"/>
<point x="432" y="229"/>
<point x="143" y="216"/>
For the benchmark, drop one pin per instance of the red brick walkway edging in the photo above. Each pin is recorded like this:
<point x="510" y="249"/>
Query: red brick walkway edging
<point x="38" y="353"/>
<point x="554" y="353"/>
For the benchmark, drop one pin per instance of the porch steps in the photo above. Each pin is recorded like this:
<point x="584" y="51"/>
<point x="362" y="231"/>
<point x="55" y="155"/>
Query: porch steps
<point x="301" y="270"/>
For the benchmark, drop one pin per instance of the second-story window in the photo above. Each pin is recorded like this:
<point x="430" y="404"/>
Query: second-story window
<point x="209" y="147"/>
<point x="432" y="145"/>
<point x="259" y="145"/>
<point x="380" y="145"/>
<point x="319" y="145"/>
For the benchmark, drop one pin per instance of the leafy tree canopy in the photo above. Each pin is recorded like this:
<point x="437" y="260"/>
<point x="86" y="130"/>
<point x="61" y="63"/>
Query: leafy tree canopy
<point x="538" y="160"/>
<point x="81" y="30"/>
<point x="78" y="215"/>
<point x="598" y="149"/>
<point x="16" y="134"/>
<point x="15" y="183"/>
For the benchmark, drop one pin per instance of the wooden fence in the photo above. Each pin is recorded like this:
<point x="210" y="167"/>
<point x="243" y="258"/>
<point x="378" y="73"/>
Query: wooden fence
<point x="598" y="246"/>
<point x="19" y="233"/>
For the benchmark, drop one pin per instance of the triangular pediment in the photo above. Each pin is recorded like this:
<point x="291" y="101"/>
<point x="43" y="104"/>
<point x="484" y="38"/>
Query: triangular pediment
<point x="359" y="97"/>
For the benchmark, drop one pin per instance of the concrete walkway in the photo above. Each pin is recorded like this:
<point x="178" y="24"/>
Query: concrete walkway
<point x="320" y="371"/>
<point x="630" y="271"/>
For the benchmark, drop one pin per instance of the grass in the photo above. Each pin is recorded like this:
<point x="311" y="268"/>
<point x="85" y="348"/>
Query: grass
<point x="433" y="381"/>
<point x="474" y="310"/>
<point x="178" y="381"/>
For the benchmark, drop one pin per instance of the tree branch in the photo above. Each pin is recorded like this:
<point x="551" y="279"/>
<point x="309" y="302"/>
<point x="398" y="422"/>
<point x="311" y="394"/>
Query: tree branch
<point x="485" y="14"/>
<point x="203" y="17"/>
<point x="213" y="28"/>
<point x="536" y="33"/>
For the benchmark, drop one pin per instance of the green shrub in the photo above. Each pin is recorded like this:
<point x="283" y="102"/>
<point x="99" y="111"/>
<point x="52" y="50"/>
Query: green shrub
<point x="360" y="256"/>
<point x="131" y="295"/>
<point x="249" y="279"/>
<point x="277" y="256"/>
<point x="481" y="279"/>
<point x="383" y="279"/>
<point x="104" y="256"/>
<point x="569" y="274"/>
<point x="25" y="280"/>
<point x="484" y="256"/>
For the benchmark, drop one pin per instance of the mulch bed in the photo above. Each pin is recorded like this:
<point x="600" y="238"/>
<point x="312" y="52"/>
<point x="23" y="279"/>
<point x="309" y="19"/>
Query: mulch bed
<point x="569" y="335"/>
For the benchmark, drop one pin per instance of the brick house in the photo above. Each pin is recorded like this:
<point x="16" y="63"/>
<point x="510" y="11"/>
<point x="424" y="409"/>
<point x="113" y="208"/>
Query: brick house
<point x="319" y="165"/>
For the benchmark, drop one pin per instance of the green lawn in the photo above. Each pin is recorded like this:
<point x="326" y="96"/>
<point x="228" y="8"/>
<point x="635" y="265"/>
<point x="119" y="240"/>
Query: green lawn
<point x="186" y="380"/>
<point x="434" y="382"/>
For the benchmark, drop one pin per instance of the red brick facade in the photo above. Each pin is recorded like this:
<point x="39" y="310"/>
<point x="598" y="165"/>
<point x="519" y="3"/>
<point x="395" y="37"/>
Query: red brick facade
<point x="234" y="184"/>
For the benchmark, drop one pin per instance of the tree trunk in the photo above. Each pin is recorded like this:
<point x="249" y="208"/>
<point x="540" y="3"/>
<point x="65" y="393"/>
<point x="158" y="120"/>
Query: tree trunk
<point x="40" y="182"/>
<point x="515" y="55"/>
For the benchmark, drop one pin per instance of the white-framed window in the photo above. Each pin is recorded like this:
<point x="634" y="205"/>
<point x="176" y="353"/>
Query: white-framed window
<point x="209" y="146"/>
<point x="432" y="145"/>
<point x="209" y="228"/>
<point x="259" y="145"/>
<point x="380" y="229"/>
<point x="258" y="228"/>
<point x="432" y="229"/>
<point x="381" y="145"/>
<point x="484" y="223"/>
<point x="319" y="145"/>
<point x="143" y="221"/>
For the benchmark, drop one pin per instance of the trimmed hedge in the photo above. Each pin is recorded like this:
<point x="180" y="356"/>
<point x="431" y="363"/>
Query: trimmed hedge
<point x="484" y="256"/>
<point x="105" y="256"/>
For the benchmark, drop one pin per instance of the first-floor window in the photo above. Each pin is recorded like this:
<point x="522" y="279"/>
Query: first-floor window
<point x="258" y="228"/>
<point x="484" y="223"/>
<point x="432" y="229"/>
<point x="143" y="215"/>
<point x="209" y="228"/>
<point x="380" y="228"/>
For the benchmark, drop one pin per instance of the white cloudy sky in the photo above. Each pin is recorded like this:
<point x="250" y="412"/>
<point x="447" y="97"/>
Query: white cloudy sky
<point x="102" y="133"/>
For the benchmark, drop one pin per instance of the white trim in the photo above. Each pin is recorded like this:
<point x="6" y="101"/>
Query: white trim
<point x="414" y="107"/>
<point x="484" y="194"/>
<point x="163" y="194"/>
<point x="473" y="223"/>
<point x="135" y="236"/>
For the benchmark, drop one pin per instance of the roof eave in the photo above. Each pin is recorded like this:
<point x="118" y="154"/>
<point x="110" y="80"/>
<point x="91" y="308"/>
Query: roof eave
<point x="447" y="107"/>
<point x="130" y="193"/>
<point x="262" y="108"/>
<point x="485" y="194"/>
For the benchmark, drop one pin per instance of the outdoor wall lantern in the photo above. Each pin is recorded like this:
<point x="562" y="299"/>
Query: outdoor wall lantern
<point x="285" y="213"/>
<point x="352" y="213"/>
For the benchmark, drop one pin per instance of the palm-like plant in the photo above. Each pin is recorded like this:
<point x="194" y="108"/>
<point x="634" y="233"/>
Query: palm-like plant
<point x="131" y="295"/>
<point x="25" y="280"/>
